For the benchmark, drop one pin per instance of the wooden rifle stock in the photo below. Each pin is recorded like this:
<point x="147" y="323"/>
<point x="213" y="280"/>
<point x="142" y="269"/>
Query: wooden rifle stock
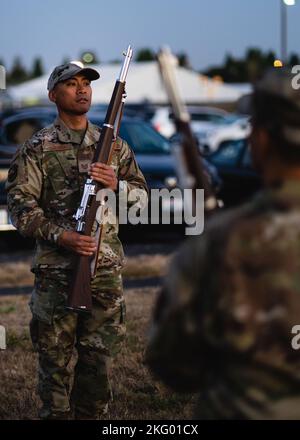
<point x="80" y="297"/>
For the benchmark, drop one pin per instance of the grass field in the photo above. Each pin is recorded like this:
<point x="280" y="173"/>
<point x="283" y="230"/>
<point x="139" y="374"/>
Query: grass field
<point x="137" y="395"/>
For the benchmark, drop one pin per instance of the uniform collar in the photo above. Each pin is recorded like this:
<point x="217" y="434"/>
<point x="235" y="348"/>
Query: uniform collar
<point x="288" y="191"/>
<point x="285" y="194"/>
<point x="65" y="135"/>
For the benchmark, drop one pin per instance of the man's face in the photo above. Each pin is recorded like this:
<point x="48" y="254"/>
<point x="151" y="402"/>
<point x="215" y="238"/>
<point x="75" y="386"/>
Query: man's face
<point x="73" y="96"/>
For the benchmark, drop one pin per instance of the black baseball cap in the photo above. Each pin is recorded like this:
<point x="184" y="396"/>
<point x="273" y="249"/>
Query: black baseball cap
<point x="68" y="70"/>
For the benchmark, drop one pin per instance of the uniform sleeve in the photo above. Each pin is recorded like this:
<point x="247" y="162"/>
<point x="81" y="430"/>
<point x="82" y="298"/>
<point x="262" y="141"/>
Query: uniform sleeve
<point x="24" y="187"/>
<point x="131" y="179"/>
<point x="177" y="351"/>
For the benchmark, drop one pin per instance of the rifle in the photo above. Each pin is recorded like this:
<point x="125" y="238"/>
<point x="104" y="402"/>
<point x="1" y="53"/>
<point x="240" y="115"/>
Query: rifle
<point x="80" y="297"/>
<point x="190" y="170"/>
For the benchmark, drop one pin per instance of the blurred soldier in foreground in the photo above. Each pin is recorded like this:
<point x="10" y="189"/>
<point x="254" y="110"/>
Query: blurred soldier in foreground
<point x="45" y="184"/>
<point x="223" y="321"/>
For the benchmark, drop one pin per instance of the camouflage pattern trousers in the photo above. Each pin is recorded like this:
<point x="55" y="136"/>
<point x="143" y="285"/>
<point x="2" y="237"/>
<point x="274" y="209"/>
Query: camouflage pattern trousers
<point x="83" y="391"/>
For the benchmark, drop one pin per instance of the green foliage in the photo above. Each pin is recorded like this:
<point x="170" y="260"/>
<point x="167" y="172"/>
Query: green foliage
<point x="18" y="340"/>
<point x="145" y="54"/>
<point x="65" y="60"/>
<point x="245" y="69"/>
<point x="183" y="60"/>
<point x="294" y="60"/>
<point x="249" y="68"/>
<point x="7" y="309"/>
<point x="18" y="73"/>
<point x="37" y="68"/>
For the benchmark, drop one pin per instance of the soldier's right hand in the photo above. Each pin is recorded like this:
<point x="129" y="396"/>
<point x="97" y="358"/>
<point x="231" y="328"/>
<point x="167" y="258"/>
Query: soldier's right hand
<point x="81" y="244"/>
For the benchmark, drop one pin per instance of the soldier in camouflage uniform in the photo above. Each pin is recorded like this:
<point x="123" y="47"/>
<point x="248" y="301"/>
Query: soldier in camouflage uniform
<point x="45" y="185"/>
<point x="223" y="322"/>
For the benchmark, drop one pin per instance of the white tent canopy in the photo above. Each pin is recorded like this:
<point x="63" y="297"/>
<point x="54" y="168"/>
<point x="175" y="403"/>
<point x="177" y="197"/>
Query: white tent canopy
<point x="143" y="85"/>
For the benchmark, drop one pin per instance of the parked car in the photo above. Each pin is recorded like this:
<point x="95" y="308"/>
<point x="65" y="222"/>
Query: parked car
<point x="211" y="126"/>
<point x="152" y="150"/>
<point x="233" y="127"/>
<point x="202" y="118"/>
<point x="20" y="126"/>
<point x="144" y="110"/>
<point x="240" y="180"/>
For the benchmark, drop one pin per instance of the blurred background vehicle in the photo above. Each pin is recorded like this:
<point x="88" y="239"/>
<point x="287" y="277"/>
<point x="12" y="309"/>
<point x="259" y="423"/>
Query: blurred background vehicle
<point x="162" y="123"/>
<point x="210" y="125"/>
<point x="152" y="150"/>
<point x="233" y="127"/>
<point x="240" y="181"/>
<point x="202" y="118"/>
<point x="19" y="125"/>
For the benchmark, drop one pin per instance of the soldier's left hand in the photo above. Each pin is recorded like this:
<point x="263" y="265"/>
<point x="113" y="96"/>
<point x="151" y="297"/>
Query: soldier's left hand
<point x="104" y="174"/>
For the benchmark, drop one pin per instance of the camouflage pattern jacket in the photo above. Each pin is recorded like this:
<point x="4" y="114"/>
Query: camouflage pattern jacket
<point x="223" y="322"/>
<point x="45" y="184"/>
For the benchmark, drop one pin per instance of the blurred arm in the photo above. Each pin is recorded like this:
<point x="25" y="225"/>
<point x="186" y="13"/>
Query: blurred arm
<point x="176" y="351"/>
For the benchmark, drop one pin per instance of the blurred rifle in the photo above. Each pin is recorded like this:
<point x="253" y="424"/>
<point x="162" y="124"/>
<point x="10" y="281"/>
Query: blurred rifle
<point x="190" y="167"/>
<point x="80" y="297"/>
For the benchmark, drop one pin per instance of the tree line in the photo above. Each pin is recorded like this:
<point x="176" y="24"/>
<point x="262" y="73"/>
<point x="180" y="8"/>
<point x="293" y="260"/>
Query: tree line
<point x="248" y="68"/>
<point x="233" y="70"/>
<point x="18" y="72"/>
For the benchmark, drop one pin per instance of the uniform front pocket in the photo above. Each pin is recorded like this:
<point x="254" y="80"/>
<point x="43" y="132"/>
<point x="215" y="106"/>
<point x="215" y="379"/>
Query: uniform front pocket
<point x="49" y="295"/>
<point x="62" y="172"/>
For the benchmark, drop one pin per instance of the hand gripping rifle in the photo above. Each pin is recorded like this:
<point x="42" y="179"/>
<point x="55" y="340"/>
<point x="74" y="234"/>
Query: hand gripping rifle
<point x="190" y="170"/>
<point x="80" y="297"/>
